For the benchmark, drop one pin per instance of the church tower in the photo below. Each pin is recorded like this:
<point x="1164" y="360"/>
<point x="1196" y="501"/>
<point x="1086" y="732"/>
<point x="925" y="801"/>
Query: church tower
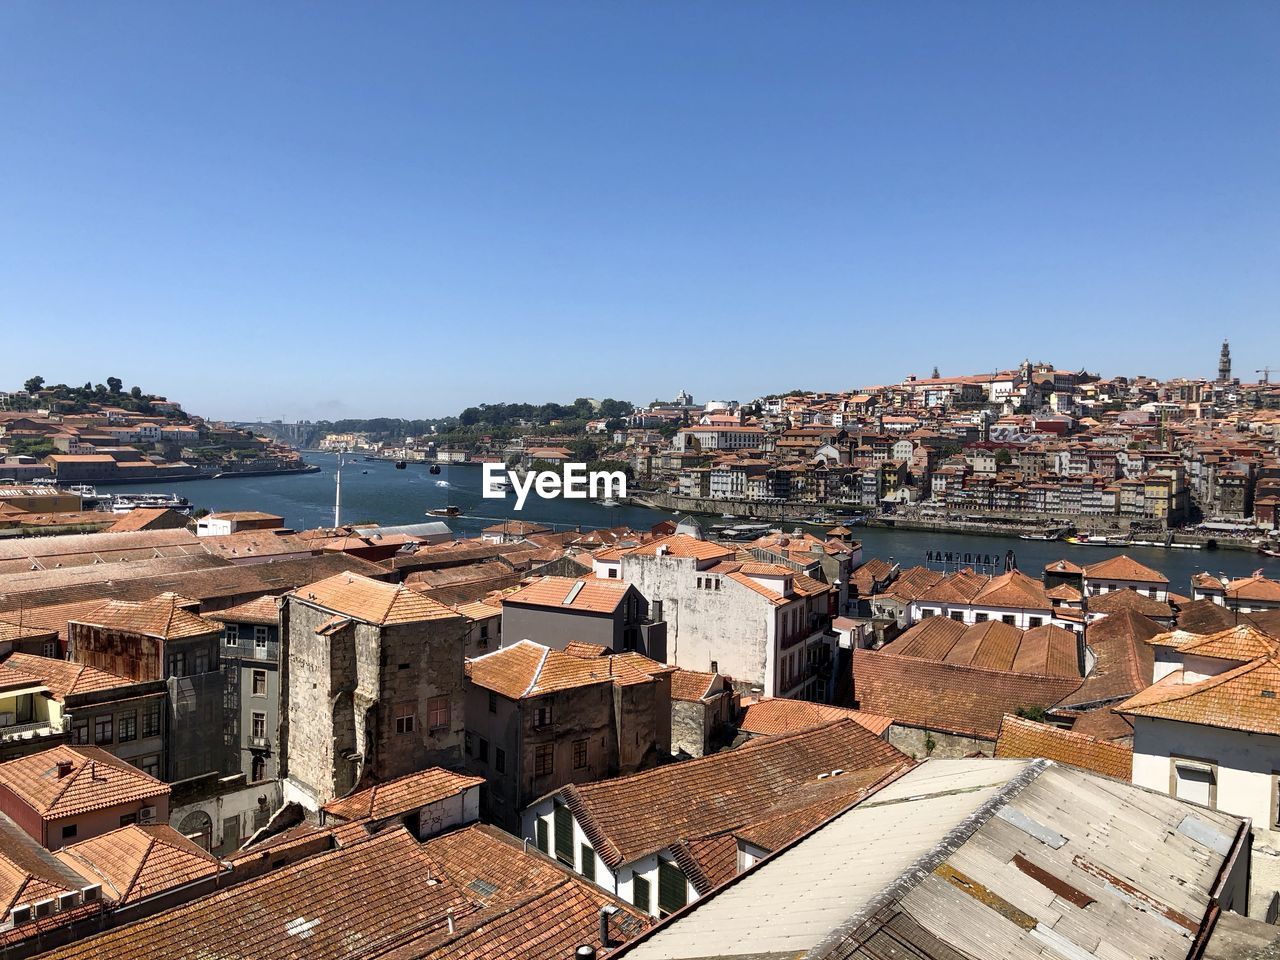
<point x="1224" y="364"/>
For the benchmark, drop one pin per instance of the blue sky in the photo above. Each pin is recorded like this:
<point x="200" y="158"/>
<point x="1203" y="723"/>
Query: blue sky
<point x="323" y="210"/>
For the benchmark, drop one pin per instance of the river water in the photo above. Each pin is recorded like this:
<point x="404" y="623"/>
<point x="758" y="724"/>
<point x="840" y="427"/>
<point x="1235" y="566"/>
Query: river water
<point x="377" y="492"/>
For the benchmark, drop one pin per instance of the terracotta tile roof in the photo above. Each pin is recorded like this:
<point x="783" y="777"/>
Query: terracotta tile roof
<point x="1101" y="723"/>
<point x="1063" y="566"/>
<point x="29" y="872"/>
<point x="1206" y="581"/>
<point x="1014" y="589"/>
<point x="630" y="817"/>
<point x="1205" y="616"/>
<point x="145" y="518"/>
<point x="960" y="587"/>
<point x="1246" y="697"/>
<point x="137" y="862"/>
<point x="681" y="545"/>
<point x="1256" y="588"/>
<point x="1043" y="651"/>
<point x="97" y="781"/>
<point x="911" y="583"/>
<point x="691" y="685"/>
<point x="64" y="678"/>
<point x="261" y="610"/>
<point x="950" y="697"/>
<point x="1064" y="592"/>
<point x="707" y="861"/>
<point x="772" y="596"/>
<point x="577" y="648"/>
<point x="337" y="905"/>
<point x="590" y="595"/>
<point x="372" y="601"/>
<point x="867" y="575"/>
<point x="1123" y="567"/>
<point x="774" y="715"/>
<point x="401" y="795"/>
<point x="1128" y="599"/>
<point x="1123" y="660"/>
<point x="527" y="669"/>
<point x="163" y="617"/>
<point x="1025" y="738"/>
<point x="1241" y="643"/>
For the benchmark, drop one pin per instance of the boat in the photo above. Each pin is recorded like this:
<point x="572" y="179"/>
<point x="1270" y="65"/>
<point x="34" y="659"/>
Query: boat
<point x="609" y="502"/>
<point x="401" y="464"/>
<point x="449" y="511"/>
<point x="1037" y="536"/>
<point x="435" y="469"/>
<point x="1269" y="551"/>
<point x="364" y="472"/>
<point x="127" y="502"/>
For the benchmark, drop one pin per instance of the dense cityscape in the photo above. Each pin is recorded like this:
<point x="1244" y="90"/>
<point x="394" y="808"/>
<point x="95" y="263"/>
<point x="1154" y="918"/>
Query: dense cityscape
<point x="207" y="714"/>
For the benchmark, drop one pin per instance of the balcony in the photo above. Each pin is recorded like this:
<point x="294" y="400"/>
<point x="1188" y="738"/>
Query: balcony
<point x="27" y="731"/>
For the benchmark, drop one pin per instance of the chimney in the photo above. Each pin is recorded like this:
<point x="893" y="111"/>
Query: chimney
<point x="64" y="768"/>
<point x="606" y="913"/>
<point x="585" y="952"/>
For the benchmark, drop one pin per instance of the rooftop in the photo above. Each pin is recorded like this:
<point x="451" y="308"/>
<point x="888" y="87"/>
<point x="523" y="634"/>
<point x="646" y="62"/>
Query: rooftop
<point x="1026" y="738"/>
<point x="775" y="715"/>
<point x="163" y="617"/>
<point x="137" y="862"/>
<point x="372" y="601"/>
<point x="588" y="595"/>
<point x="528" y="669"/>
<point x="96" y="780"/>
<point x="401" y="795"/>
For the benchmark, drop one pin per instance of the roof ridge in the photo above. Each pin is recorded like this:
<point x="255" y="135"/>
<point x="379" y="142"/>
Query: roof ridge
<point x="1200" y="686"/>
<point x="537" y="672"/>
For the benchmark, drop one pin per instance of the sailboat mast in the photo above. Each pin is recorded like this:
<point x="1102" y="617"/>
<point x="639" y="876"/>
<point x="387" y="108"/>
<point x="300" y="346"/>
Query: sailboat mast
<point x="337" y="495"/>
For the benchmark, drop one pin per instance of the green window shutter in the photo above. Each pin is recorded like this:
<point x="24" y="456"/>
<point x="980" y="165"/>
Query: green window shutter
<point x="540" y="839"/>
<point x="673" y="891"/>
<point x="588" y="863"/>
<point x="640" y="893"/>
<point x="564" y="834"/>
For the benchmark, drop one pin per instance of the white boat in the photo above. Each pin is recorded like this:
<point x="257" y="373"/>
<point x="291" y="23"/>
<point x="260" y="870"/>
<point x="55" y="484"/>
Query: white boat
<point x="609" y="502"/>
<point x="127" y="502"/>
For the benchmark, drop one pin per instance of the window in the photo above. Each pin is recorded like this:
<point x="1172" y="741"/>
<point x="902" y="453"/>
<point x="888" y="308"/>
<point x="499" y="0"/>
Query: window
<point x="1194" y="780"/>
<point x="588" y="863"/>
<point x="543" y="759"/>
<point x="150" y="765"/>
<point x="438" y="713"/>
<point x="640" y="893"/>
<point x="579" y="754"/>
<point x="259" y="725"/>
<point x="404" y="716"/>
<point x="484" y="750"/>
<point x="673" y="890"/>
<point x="231" y="635"/>
<point x="468" y="743"/>
<point x="564" y="835"/>
<point x="542" y="716"/>
<point x="178" y="664"/>
<point x="259" y="768"/>
<point x="128" y="726"/>
<point x="656" y="609"/>
<point x="202" y="661"/>
<point x="500" y="760"/>
<point x="926" y="613"/>
<point x="980" y="618"/>
<point x="151" y="720"/>
<point x="1010" y="619"/>
<point x="49" y="649"/>
<point x="958" y="616"/>
<point x="260" y="641"/>
<point x="69" y="831"/>
<point x="80" y="731"/>
<point x="540" y="834"/>
<point x="493" y="702"/>
<point x="1033" y="622"/>
<point x="102" y="730"/>
<point x="128" y="818"/>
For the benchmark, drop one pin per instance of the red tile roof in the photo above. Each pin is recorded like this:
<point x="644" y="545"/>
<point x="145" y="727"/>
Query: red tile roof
<point x="949" y="697"/>
<point x="1025" y="738"/>
<point x="1123" y="567"/>
<point x="372" y="601"/>
<point x="163" y="617"/>
<point x="97" y="781"/>
<point x="137" y="862"/>
<point x="630" y="817"/>
<point x="589" y="595"/>
<point x="528" y="669"/>
<point x="401" y="795"/>
<point x="64" y="678"/>
<point x="1245" y="698"/>
<point x="775" y="715"/>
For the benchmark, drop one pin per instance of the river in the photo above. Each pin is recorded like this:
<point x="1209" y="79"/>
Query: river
<point x="377" y="492"/>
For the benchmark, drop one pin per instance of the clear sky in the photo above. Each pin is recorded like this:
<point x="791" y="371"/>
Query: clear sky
<point x="348" y="209"/>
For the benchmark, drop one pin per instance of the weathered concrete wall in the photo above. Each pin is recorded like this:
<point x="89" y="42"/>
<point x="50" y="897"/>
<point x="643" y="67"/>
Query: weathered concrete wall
<point x="912" y="741"/>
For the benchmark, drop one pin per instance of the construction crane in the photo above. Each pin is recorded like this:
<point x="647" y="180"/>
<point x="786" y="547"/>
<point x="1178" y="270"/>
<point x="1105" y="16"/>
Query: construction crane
<point x="1266" y="374"/>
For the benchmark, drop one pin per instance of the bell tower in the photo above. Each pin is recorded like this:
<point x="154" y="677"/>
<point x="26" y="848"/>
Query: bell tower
<point x="1224" y="363"/>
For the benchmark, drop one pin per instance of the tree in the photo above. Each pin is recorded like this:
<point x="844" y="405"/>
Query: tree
<point x="1004" y="457"/>
<point x="135" y="392"/>
<point x="33" y="385"/>
<point x="935" y="373"/>
<point x="115" y="384"/>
